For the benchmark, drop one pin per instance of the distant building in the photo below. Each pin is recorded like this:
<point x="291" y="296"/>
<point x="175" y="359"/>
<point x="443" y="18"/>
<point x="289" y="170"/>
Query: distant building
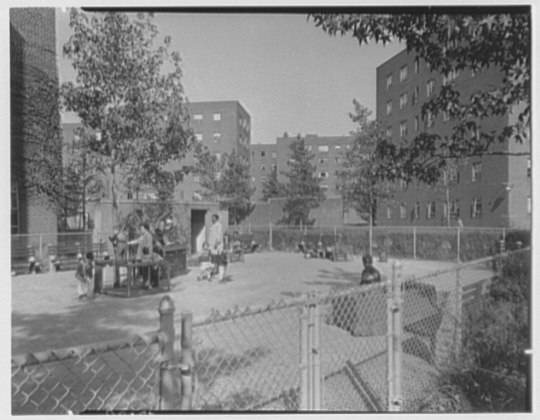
<point x="328" y="152"/>
<point x="488" y="191"/>
<point x="222" y="126"/>
<point x="263" y="162"/>
<point x="32" y="66"/>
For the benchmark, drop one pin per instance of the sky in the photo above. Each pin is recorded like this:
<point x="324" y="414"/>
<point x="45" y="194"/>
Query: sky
<point x="288" y="74"/>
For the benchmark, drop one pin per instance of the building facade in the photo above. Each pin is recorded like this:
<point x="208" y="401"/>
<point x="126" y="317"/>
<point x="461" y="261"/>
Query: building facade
<point x="35" y="119"/>
<point x="486" y="191"/>
<point x="223" y="127"/>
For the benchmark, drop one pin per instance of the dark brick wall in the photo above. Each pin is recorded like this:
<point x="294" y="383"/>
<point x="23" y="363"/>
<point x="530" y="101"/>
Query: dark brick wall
<point x="33" y="71"/>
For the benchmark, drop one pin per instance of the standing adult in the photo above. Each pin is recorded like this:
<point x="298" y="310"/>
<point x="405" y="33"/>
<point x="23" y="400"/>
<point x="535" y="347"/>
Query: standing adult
<point x="215" y="241"/>
<point x="81" y="276"/>
<point x="144" y="251"/>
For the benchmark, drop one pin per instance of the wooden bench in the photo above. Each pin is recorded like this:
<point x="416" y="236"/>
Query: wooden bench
<point x="20" y="259"/>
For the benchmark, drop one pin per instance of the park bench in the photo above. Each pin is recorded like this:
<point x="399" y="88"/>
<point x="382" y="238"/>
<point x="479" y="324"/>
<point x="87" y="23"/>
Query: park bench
<point x="249" y="245"/>
<point x="20" y="257"/>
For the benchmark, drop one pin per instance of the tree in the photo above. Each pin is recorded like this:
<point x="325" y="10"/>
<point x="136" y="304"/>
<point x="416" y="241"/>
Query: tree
<point x="207" y="169"/>
<point x="271" y="187"/>
<point x="448" y="43"/>
<point x="234" y="187"/>
<point x="303" y="190"/>
<point x="359" y="178"/>
<point x="128" y="96"/>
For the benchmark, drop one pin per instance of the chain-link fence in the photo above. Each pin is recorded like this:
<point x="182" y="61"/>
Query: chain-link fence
<point x="108" y="377"/>
<point x="378" y="347"/>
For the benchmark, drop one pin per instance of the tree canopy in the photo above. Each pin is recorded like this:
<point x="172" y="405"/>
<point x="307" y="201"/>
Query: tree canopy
<point x="129" y="97"/>
<point x="448" y="43"/>
<point x="271" y="187"/>
<point x="359" y="177"/>
<point x="303" y="189"/>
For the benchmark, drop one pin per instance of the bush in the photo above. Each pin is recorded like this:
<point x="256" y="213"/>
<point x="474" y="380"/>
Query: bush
<point x="493" y="367"/>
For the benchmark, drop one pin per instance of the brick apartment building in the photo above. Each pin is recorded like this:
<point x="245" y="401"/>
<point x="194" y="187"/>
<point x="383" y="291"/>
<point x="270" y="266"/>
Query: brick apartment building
<point x="32" y="67"/>
<point x="488" y="191"/>
<point x="222" y="126"/>
<point x="328" y="152"/>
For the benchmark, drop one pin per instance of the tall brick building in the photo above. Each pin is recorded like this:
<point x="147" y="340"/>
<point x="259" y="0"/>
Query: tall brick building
<point x="222" y="126"/>
<point x="328" y="154"/>
<point x="488" y="191"/>
<point x="35" y="119"/>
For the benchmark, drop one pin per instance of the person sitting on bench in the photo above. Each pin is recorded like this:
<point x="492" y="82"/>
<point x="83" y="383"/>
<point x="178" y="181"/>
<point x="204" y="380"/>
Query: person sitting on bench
<point x="370" y="274"/>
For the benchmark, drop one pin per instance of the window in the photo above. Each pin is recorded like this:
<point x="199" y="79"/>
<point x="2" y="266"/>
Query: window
<point x="274" y="155"/>
<point x="197" y="117"/>
<point x="416" y="123"/>
<point x="323" y="148"/>
<point x="324" y="187"/>
<point x="337" y="147"/>
<point x="452" y="176"/>
<point x="322" y="161"/>
<point x="14" y="208"/>
<point x="218" y="157"/>
<point x="430" y="209"/>
<point x="389" y="212"/>
<point x="198" y="136"/>
<point x="403" y="101"/>
<point x="417" y="210"/>
<point x="338" y="160"/>
<point x="403" y="211"/>
<point x="274" y="167"/>
<point x="217" y="117"/>
<point x="450" y="77"/>
<point x="263" y="168"/>
<point x="529" y="205"/>
<point x="429" y="119"/>
<point x="476" y="172"/>
<point x="403" y="128"/>
<point x="454" y="209"/>
<point x="528" y="168"/>
<point x="416" y="65"/>
<point x="403" y="73"/>
<point x="389" y="81"/>
<point x="389" y="131"/>
<point x="323" y="174"/>
<point x="389" y="107"/>
<point x="415" y="95"/>
<point x="263" y="153"/>
<point x="217" y="137"/>
<point x="430" y="86"/>
<point x="476" y="210"/>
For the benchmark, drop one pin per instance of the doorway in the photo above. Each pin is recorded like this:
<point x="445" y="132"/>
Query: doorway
<point x="198" y="230"/>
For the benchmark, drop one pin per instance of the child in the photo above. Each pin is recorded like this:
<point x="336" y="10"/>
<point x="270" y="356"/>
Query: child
<point x="81" y="276"/>
<point x="205" y="265"/>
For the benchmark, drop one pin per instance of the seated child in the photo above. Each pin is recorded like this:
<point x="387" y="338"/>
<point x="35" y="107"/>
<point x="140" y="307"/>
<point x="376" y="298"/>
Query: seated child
<point x="205" y="265"/>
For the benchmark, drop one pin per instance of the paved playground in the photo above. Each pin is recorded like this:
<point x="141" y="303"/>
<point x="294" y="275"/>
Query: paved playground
<point x="46" y="313"/>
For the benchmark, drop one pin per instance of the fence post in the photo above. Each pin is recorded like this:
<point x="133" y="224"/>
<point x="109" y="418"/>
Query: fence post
<point x="166" y="327"/>
<point x="414" y="242"/>
<point x="397" y="337"/>
<point x="187" y="363"/>
<point x="458" y="244"/>
<point x="316" y="361"/>
<point x="389" y="346"/>
<point x="304" y="391"/>
<point x="458" y="309"/>
<point x="40" y="246"/>
<point x="270" y="239"/>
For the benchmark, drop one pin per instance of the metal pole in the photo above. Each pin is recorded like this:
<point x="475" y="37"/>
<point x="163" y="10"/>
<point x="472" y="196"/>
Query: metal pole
<point x="187" y="363"/>
<point x="310" y="357"/>
<point x="316" y="359"/>
<point x="458" y="314"/>
<point x="414" y="242"/>
<point x="370" y="234"/>
<point x="397" y="337"/>
<point x="270" y="239"/>
<point x="166" y="327"/>
<point x="458" y="244"/>
<point x="40" y="246"/>
<point x="304" y="347"/>
<point x="389" y="346"/>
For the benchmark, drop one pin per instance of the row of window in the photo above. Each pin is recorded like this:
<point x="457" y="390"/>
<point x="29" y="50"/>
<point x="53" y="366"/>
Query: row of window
<point x="431" y="210"/>
<point x="243" y="122"/>
<point x="403" y="73"/>
<point x="404" y="97"/>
